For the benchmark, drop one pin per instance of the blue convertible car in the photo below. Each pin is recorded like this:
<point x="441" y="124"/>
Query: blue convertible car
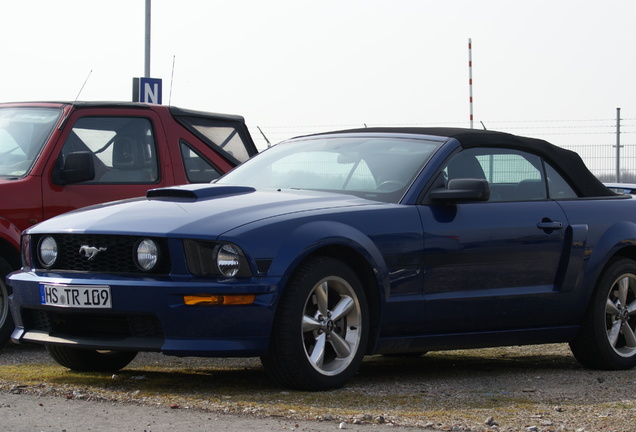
<point x="328" y="247"/>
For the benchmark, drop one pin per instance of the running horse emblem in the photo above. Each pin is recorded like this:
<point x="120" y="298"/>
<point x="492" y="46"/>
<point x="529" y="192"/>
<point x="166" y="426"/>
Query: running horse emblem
<point x="90" y="252"/>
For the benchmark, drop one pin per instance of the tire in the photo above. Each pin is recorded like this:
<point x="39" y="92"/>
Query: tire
<point x="6" y="320"/>
<point x="607" y="338"/>
<point x="82" y="360"/>
<point x="321" y="329"/>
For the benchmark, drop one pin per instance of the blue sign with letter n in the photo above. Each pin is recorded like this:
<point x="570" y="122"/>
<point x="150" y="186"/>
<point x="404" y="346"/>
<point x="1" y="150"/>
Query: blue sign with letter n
<point x="147" y="90"/>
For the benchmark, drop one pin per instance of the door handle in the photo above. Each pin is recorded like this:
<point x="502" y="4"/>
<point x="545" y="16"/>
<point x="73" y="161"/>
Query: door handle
<point x="550" y="225"/>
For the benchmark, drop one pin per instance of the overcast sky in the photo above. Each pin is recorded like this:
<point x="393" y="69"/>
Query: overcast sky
<point x="555" y="69"/>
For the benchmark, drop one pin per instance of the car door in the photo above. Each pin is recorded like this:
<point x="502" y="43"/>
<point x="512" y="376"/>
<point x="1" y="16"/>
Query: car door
<point x="127" y="154"/>
<point x="495" y="264"/>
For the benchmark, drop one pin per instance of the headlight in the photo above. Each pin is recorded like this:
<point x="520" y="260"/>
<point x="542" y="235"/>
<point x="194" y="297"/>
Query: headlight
<point x="147" y="254"/>
<point x="47" y="251"/>
<point x="228" y="260"/>
<point x="216" y="259"/>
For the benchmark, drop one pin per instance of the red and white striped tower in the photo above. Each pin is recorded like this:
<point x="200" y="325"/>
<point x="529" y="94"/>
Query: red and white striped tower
<point x="470" y="79"/>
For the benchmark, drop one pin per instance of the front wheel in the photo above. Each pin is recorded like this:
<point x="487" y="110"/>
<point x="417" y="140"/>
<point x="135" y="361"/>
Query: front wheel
<point x="321" y="329"/>
<point x="607" y="339"/>
<point x="86" y="360"/>
<point x="6" y="321"/>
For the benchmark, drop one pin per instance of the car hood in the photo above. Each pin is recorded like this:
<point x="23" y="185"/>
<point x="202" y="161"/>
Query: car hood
<point x="209" y="210"/>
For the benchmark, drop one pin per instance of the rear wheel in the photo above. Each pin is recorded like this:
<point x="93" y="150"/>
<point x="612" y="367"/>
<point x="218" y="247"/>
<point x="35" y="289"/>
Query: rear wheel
<point x="321" y="329"/>
<point x="607" y="339"/>
<point x="6" y="321"/>
<point x="86" y="360"/>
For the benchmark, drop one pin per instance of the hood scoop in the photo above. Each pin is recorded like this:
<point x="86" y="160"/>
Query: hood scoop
<point x="194" y="192"/>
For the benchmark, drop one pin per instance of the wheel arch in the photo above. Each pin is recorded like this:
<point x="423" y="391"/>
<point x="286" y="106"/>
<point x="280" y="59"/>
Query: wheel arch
<point x="10" y="243"/>
<point x="616" y="242"/>
<point x="347" y="244"/>
<point x="625" y="252"/>
<point x="10" y="254"/>
<point x="598" y="265"/>
<point x="593" y="282"/>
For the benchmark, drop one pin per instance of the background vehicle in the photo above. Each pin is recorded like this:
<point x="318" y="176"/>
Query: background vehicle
<point x="56" y="157"/>
<point x="328" y="247"/>
<point x="624" y="188"/>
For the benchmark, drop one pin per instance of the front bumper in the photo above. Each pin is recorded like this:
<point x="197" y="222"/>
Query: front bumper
<point x="148" y="314"/>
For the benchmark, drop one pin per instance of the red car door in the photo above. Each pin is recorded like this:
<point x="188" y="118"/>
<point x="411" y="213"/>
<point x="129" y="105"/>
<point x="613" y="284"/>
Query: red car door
<point x="129" y="153"/>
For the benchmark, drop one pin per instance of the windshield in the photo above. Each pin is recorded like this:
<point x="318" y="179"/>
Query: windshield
<point x="376" y="167"/>
<point x="23" y="132"/>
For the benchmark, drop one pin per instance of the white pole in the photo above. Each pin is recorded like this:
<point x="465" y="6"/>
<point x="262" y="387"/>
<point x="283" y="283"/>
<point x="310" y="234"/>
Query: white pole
<point x="147" y="42"/>
<point x="618" y="145"/>
<point x="470" y="79"/>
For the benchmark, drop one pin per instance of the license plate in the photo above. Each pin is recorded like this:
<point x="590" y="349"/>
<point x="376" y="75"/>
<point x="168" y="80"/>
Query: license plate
<point x="77" y="296"/>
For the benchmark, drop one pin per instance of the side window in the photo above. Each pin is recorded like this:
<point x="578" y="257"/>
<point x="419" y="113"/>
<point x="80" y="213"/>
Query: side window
<point x="123" y="148"/>
<point x="197" y="169"/>
<point x="557" y="186"/>
<point x="512" y="175"/>
<point x="226" y="137"/>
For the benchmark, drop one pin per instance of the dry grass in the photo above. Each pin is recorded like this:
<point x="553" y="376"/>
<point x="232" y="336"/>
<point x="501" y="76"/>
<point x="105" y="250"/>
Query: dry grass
<point x="517" y="386"/>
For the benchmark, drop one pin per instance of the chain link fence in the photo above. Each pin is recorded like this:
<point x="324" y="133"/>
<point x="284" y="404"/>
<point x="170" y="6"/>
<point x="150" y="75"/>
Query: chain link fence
<point x="601" y="159"/>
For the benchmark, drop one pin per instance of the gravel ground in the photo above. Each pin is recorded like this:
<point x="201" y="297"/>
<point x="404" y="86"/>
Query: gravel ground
<point x="539" y="388"/>
<point x="29" y="413"/>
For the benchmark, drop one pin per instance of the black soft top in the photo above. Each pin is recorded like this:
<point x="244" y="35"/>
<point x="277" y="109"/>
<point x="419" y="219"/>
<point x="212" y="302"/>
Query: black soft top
<point x="568" y="163"/>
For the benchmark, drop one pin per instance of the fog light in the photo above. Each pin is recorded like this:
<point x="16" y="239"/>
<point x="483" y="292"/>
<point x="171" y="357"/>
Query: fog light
<point x="147" y="254"/>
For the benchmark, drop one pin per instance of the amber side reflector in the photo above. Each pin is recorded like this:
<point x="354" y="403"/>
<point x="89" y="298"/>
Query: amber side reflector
<point x="218" y="300"/>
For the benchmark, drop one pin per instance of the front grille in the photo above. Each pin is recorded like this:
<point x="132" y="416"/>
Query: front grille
<point x="116" y="253"/>
<point x="92" y="325"/>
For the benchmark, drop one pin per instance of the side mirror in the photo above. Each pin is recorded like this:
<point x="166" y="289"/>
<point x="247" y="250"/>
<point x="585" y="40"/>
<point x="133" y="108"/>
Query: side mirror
<point x="462" y="190"/>
<point x="78" y="167"/>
